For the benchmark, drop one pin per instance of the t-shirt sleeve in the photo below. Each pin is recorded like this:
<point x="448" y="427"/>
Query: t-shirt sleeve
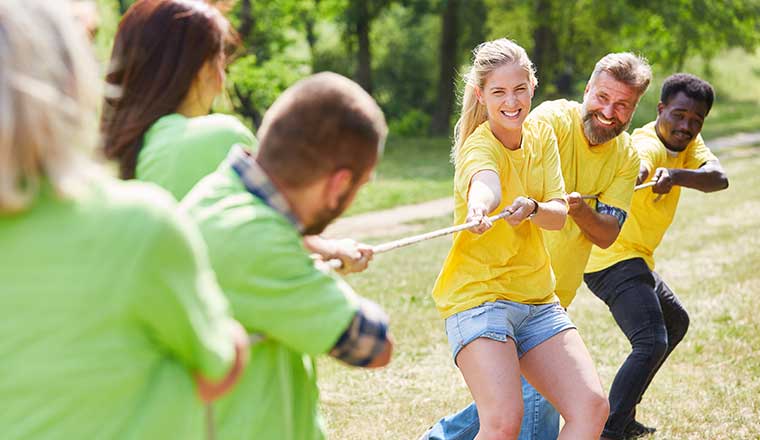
<point x="180" y="302"/>
<point x="476" y="155"/>
<point x="620" y="191"/>
<point x="278" y="291"/>
<point x="554" y="185"/>
<point x="699" y="154"/>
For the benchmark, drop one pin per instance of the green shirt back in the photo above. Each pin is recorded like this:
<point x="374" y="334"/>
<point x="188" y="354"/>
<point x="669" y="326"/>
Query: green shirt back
<point x="108" y="306"/>
<point x="274" y="289"/>
<point x="178" y="151"/>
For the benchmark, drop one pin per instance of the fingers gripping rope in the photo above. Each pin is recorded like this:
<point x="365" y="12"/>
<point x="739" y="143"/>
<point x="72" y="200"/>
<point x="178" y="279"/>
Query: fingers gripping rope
<point x="408" y="241"/>
<point x="396" y="244"/>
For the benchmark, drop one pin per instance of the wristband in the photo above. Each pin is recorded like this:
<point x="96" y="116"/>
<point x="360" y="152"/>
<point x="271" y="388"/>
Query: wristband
<point x="535" y="209"/>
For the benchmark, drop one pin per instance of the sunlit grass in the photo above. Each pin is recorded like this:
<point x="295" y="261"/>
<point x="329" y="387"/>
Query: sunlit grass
<point x="707" y="390"/>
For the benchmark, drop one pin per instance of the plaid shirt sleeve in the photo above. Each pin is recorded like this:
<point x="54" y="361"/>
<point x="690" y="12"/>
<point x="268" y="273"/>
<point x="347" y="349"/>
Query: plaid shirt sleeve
<point x="365" y="337"/>
<point x="618" y="213"/>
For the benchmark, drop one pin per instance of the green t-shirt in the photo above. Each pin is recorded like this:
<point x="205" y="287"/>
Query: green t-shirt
<point x="178" y="151"/>
<point x="108" y="308"/>
<point x="275" y="289"/>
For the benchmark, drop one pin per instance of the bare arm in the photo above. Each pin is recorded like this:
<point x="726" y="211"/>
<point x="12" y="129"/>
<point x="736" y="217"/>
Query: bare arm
<point x="483" y="197"/>
<point x="211" y="390"/>
<point x="600" y="229"/>
<point x="709" y="177"/>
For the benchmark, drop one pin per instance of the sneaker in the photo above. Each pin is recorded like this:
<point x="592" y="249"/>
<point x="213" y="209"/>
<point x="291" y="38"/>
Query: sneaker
<point x="636" y="430"/>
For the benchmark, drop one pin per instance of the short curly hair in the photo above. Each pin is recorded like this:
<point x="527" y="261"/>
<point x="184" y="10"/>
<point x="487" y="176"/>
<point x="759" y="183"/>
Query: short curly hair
<point x="692" y="86"/>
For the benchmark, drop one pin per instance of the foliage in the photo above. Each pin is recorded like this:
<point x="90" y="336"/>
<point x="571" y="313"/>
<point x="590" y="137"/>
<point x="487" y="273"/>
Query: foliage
<point x="399" y="59"/>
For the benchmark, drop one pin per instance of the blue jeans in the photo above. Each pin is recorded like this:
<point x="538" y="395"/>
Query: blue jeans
<point x="540" y="420"/>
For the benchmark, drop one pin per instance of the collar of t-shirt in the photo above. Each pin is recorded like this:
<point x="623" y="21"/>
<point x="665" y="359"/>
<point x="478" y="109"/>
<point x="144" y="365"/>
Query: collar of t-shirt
<point x="259" y="184"/>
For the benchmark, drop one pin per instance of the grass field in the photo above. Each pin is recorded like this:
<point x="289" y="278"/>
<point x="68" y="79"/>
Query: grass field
<point x="708" y="389"/>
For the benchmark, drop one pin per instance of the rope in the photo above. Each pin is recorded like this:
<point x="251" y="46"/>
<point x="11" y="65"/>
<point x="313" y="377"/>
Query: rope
<point x="408" y="241"/>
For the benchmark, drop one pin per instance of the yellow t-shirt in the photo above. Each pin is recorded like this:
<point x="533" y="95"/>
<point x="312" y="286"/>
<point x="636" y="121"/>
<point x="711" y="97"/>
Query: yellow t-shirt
<point x="648" y="220"/>
<point x="504" y="263"/>
<point x="608" y="170"/>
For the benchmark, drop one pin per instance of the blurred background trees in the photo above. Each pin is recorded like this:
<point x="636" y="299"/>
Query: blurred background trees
<point x="410" y="53"/>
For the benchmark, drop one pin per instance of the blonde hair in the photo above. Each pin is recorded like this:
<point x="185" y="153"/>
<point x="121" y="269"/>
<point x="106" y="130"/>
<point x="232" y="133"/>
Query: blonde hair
<point x="487" y="57"/>
<point x="626" y="67"/>
<point x="48" y="100"/>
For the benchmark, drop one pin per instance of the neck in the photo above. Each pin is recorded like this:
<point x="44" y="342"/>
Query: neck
<point x="191" y="106"/>
<point x="511" y="139"/>
<point x="300" y="200"/>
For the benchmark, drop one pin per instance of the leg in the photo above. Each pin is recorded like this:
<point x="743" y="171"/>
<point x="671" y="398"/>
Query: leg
<point x="676" y="319"/>
<point x="541" y="420"/>
<point x="561" y="369"/>
<point x="492" y="372"/>
<point x="628" y="290"/>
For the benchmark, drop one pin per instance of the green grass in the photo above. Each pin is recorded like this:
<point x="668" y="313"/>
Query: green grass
<point x="707" y="390"/>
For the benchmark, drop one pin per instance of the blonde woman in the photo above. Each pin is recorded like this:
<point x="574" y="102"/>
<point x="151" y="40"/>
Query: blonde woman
<point x="113" y="325"/>
<point x="496" y="287"/>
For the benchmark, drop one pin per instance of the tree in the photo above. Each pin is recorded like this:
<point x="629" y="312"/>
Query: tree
<point x="447" y="68"/>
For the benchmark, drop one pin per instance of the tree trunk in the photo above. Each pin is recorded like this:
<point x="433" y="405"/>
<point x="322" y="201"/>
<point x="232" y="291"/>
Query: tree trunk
<point x="544" y="41"/>
<point x="439" y="125"/>
<point x="246" y="19"/>
<point x="364" y="56"/>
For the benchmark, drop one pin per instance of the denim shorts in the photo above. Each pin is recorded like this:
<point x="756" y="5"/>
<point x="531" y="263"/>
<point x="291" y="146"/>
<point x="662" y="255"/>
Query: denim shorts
<point x="527" y="325"/>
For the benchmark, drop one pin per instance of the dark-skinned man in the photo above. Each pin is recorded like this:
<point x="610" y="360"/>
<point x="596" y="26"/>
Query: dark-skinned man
<point x="672" y="154"/>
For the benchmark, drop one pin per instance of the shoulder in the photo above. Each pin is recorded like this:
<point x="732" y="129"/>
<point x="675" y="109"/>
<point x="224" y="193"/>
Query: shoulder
<point x="539" y="135"/>
<point x="481" y="139"/>
<point x="556" y="113"/>
<point x="219" y="125"/>
<point x="645" y="141"/>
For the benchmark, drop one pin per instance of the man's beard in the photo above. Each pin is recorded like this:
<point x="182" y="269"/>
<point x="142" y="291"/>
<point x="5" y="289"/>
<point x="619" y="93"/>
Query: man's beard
<point x="327" y="215"/>
<point x="597" y="134"/>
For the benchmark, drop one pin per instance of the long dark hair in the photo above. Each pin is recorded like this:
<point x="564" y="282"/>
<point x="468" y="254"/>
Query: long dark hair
<point x="159" y="48"/>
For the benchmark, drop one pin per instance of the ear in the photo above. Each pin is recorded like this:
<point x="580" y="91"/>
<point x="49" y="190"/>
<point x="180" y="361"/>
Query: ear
<point x="337" y="185"/>
<point x="588" y="86"/>
<point x="660" y="108"/>
<point x="479" y="94"/>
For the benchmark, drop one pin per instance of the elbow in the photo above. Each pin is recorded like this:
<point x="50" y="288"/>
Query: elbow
<point x="384" y="357"/>
<point x="722" y="182"/>
<point x="210" y="390"/>
<point x="607" y="240"/>
<point x="604" y="244"/>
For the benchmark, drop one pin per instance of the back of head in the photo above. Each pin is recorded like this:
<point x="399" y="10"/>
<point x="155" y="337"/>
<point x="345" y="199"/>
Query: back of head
<point x="690" y="85"/>
<point x="321" y="124"/>
<point x="48" y="100"/>
<point x="628" y="68"/>
<point x="487" y="57"/>
<point x="159" y="49"/>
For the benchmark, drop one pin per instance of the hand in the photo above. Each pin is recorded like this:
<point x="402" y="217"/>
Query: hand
<point x="663" y="181"/>
<point x="520" y="209"/>
<point x="575" y="204"/>
<point x="478" y="212"/>
<point x="355" y="256"/>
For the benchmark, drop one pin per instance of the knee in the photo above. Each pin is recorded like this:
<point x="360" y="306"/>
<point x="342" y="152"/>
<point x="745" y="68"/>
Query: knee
<point x="652" y="348"/>
<point x="593" y="409"/>
<point x="679" y="328"/>
<point x="501" y="426"/>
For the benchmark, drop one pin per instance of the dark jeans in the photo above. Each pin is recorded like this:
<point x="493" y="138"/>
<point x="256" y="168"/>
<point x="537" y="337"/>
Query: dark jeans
<point x="653" y="320"/>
